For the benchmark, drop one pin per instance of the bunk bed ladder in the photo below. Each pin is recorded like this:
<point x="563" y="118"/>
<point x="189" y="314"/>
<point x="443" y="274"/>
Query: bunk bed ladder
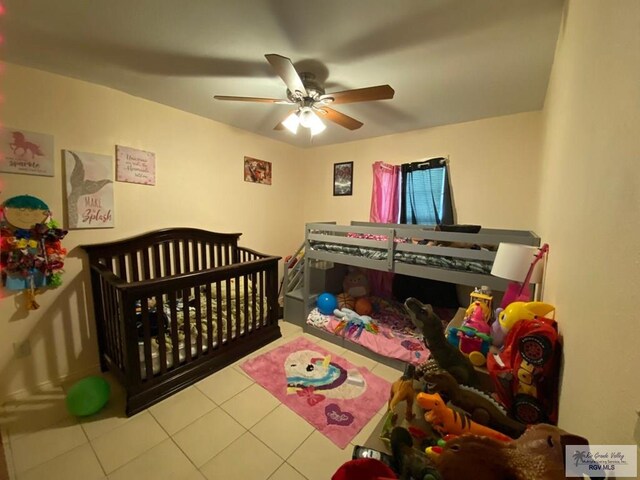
<point x="293" y="287"/>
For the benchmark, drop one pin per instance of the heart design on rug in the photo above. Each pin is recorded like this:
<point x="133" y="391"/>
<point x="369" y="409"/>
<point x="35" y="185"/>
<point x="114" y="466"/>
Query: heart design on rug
<point x="335" y="416"/>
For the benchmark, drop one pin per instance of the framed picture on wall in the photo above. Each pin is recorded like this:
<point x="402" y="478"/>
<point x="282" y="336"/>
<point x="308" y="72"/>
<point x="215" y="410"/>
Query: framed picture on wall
<point x="89" y="183"/>
<point x="257" y="171"/>
<point x="342" y="178"/>
<point x="29" y="153"/>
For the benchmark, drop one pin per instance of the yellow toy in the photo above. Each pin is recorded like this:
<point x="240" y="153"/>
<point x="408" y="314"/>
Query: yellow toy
<point x="446" y="420"/>
<point x="515" y="312"/>
<point x="482" y="297"/>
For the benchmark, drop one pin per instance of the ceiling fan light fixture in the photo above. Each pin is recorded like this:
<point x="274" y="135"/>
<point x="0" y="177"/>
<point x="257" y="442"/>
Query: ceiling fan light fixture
<point x="292" y="122"/>
<point x="309" y="119"/>
<point x="317" y="126"/>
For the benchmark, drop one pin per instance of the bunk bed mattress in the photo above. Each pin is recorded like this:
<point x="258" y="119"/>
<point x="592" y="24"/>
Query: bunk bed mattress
<point x="392" y="334"/>
<point x="429" y="260"/>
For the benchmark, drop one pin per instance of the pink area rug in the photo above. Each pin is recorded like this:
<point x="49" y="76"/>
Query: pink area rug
<point x="330" y="393"/>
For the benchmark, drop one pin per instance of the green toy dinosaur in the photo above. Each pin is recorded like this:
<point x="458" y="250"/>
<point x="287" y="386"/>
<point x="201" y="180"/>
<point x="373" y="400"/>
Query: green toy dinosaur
<point x="482" y="408"/>
<point x="448" y="357"/>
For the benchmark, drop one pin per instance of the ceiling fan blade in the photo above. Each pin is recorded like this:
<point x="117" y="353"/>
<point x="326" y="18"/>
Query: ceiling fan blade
<point x="252" y="99"/>
<point x="340" y="118"/>
<point x="379" y="92"/>
<point x="286" y="71"/>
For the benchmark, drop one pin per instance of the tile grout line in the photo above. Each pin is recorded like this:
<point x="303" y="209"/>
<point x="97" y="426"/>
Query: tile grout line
<point x="15" y="472"/>
<point x="215" y="405"/>
<point x="141" y="453"/>
<point x="185" y="454"/>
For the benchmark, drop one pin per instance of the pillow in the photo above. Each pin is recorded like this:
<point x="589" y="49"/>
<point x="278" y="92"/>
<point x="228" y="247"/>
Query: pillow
<point x="458" y="228"/>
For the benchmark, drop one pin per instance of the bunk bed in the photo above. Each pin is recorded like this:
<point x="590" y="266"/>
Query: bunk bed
<point x="454" y="256"/>
<point x="174" y="305"/>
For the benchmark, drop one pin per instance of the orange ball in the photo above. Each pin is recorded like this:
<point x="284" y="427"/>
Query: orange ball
<point x="363" y="306"/>
<point x="346" y="301"/>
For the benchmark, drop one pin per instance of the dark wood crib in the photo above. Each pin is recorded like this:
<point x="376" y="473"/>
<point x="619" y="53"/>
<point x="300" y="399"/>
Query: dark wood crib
<point x="172" y="306"/>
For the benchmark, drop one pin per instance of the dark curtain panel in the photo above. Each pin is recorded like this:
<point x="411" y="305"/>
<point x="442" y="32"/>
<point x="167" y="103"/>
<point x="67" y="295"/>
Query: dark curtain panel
<point x="426" y="194"/>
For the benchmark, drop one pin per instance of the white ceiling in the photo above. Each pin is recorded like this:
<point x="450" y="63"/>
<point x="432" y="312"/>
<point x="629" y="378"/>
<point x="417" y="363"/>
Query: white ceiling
<point x="449" y="61"/>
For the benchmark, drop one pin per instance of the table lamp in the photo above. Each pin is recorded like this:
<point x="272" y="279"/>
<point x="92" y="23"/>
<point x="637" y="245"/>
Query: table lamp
<point x="521" y="265"/>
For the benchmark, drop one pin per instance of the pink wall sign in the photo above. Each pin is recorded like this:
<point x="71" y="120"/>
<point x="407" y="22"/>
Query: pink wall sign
<point x="26" y="152"/>
<point x="135" y="166"/>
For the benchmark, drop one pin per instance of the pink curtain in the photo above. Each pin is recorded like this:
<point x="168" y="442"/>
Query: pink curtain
<point x="384" y="209"/>
<point x="384" y="197"/>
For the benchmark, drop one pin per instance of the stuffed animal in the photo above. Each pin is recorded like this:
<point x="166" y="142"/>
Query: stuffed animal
<point x="447" y="420"/>
<point x="410" y="462"/>
<point x="356" y="283"/>
<point x="352" y="324"/>
<point x="537" y="454"/>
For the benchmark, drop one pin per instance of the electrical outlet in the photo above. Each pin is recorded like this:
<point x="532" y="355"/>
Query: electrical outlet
<point x="22" y="349"/>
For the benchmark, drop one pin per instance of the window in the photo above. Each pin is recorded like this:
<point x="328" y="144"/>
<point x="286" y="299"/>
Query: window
<point x="426" y="196"/>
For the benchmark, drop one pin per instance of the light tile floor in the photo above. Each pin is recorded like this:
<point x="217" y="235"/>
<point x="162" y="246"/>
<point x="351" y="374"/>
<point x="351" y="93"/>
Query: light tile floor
<point x="225" y="426"/>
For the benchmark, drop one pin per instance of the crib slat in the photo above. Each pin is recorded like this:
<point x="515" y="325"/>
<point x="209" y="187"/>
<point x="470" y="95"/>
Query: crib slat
<point x="135" y="272"/>
<point x="157" y="270"/>
<point x="219" y="312"/>
<point x="262" y="299"/>
<point x="174" y="328"/>
<point x="122" y="265"/>
<point x="198" y="323"/>
<point x="238" y="314"/>
<point x="186" y="324"/>
<point x="209" y="320"/>
<point x="146" y="267"/>
<point x="166" y="259"/>
<point x="146" y="337"/>
<point x="176" y="257"/>
<point x="162" y="344"/>
<point x="196" y="256"/>
<point x="246" y="301"/>
<point x="113" y="320"/>
<point x="118" y="334"/>
<point x="230" y="335"/>
<point x="254" y="279"/>
<point x="218" y="261"/>
<point x="185" y="255"/>
<point x="108" y="316"/>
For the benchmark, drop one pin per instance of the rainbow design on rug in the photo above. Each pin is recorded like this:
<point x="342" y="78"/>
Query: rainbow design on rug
<point x="309" y="369"/>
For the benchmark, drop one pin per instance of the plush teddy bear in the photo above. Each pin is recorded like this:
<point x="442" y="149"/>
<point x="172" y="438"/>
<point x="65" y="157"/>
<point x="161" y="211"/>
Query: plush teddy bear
<point x="356" y="283"/>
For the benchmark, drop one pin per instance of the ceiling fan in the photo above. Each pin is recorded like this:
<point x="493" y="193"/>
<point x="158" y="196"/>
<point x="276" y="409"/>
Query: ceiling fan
<point x="312" y="103"/>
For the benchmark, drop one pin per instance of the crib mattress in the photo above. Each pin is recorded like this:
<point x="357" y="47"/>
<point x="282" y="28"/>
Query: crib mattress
<point x="236" y="318"/>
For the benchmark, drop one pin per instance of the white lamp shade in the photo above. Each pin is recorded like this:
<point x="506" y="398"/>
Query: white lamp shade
<point x="317" y="126"/>
<point x="292" y="122"/>
<point x="513" y="262"/>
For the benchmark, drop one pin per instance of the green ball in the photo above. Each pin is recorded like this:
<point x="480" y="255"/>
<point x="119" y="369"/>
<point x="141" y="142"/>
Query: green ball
<point x="88" y="396"/>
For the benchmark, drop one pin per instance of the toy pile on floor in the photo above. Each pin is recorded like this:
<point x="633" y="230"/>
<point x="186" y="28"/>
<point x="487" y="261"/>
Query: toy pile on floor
<point x="449" y="419"/>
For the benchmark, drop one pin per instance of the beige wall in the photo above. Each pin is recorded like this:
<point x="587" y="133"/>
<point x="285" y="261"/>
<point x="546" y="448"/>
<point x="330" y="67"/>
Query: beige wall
<point x="590" y="215"/>
<point x="199" y="183"/>
<point x="494" y="166"/>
